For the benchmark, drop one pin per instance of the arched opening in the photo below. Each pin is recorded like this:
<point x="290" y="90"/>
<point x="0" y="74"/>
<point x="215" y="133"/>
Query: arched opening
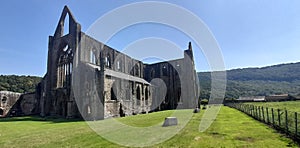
<point x="152" y="73"/>
<point x="112" y="94"/>
<point x="64" y="69"/>
<point x="138" y="95"/>
<point x="165" y="70"/>
<point x="146" y="95"/>
<point x="121" y="111"/>
<point x="1" y="112"/>
<point x="131" y="69"/>
<point x="118" y="65"/>
<point x="179" y="96"/>
<point x="66" y="25"/>
<point x="108" y="61"/>
<point x="4" y="100"/>
<point x="137" y="70"/>
<point x="92" y="57"/>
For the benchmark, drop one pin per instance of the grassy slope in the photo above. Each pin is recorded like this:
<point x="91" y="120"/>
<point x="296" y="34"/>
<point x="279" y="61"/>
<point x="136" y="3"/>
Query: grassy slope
<point x="231" y="129"/>
<point x="289" y="105"/>
<point x="30" y="132"/>
<point x="144" y="120"/>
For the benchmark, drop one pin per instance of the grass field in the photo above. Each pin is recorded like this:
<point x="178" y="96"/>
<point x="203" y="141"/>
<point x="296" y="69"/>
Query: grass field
<point x="293" y="106"/>
<point x="231" y="129"/>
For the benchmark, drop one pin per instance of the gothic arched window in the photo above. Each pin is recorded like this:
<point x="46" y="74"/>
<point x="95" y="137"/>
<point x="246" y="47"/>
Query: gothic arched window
<point x="64" y="66"/>
<point x="138" y="95"/>
<point x="136" y="70"/>
<point x="108" y="61"/>
<point x="165" y="70"/>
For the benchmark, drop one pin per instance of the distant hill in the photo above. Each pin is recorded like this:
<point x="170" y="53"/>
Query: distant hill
<point x="21" y="84"/>
<point x="277" y="79"/>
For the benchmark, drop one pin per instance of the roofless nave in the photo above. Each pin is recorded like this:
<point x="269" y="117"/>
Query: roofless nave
<point x="86" y="78"/>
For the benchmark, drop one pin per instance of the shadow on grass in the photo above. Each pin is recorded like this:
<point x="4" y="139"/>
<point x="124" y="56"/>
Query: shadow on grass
<point x="40" y="119"/>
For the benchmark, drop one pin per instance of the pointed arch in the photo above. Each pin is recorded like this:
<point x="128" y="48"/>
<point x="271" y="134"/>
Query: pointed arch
<point x="93" y="58"/>
<point x="108" y="61"/>
<point x="146" y="95"/>
<point x="138" y="95"/>
<point x="137" y="70"/>
<point x="65" y="23"/>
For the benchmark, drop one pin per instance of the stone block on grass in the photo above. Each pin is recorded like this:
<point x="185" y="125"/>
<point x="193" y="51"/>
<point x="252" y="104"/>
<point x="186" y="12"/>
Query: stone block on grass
<point x="170" y="121"/>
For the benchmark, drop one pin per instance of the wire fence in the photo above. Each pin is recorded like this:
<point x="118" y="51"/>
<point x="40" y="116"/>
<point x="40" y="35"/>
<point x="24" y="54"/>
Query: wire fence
<point x="282" y="120"/>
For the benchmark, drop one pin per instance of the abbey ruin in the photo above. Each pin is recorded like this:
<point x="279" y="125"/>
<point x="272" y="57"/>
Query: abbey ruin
<point x="86" y="78"/>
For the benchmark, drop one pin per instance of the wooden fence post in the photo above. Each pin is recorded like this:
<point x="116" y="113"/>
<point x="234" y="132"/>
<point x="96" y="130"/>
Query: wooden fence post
<point x="268" y="120"/>
<point x="278" y="114"/>
<point x="242" y="106"/>
<point x="254" y="111"/>
<point x="248" y="106"/>
<point x="251" y="106"/>
<point x="273" y="120"/>
<point x="296" y="124"/>
<point x="263" y="114"/>
<point x="286" y="122"/>
<point x="256" y="114"/>
<point x="259" y="113"/>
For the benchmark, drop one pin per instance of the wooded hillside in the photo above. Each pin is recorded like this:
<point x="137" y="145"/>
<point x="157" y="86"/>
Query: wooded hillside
<point x="277" y="79"/>
<point x="21" y="84"/>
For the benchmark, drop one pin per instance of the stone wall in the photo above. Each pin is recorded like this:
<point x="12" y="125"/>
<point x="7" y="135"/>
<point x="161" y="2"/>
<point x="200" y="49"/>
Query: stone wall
<point x="180" y="79"/>
<point x="28" y="104"/>
<point x="7" y="101"/>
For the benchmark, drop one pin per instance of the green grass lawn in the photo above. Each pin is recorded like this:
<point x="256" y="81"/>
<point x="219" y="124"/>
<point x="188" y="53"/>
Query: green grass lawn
<point x="293" y="106"/>
<point x="231" y="129"/>
<point x="143" y="120"/>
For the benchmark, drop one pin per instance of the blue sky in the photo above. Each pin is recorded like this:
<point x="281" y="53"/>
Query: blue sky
<point x="250" y="33"/>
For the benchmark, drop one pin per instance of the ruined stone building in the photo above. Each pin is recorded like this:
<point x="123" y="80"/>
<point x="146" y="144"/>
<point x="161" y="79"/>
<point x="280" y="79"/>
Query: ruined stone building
<point x="7" y="100"/>
<point x="86" y="78"/>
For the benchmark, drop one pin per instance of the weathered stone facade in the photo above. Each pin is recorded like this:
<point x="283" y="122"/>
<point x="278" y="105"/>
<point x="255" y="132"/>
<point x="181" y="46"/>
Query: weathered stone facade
<point x="27" y="104"/>
<point x="7" y="100"/>
<point x="180" y="78"/>
<point x="83" y="73"/>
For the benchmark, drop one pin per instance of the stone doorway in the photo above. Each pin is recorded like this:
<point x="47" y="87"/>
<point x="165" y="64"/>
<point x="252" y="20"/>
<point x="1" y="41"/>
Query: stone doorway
<point x="1" y="112"/>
